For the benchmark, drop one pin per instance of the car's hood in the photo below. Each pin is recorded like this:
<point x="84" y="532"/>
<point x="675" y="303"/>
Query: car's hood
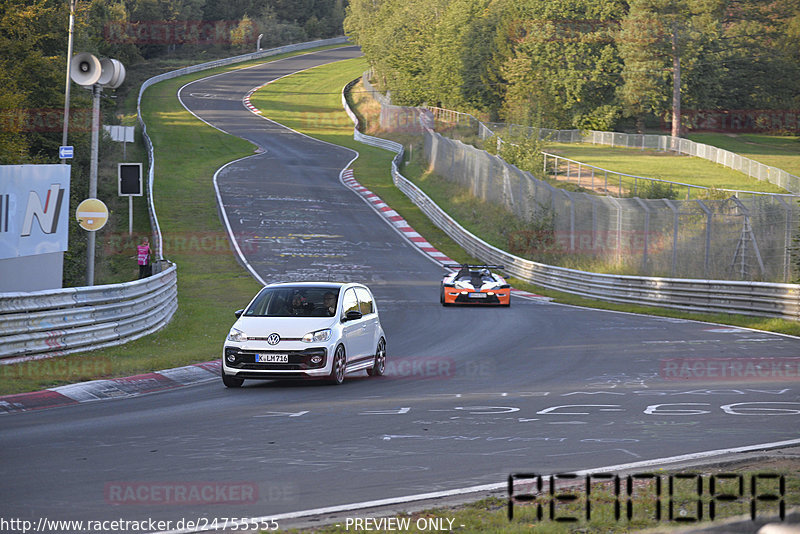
<point x="286" y="327"/>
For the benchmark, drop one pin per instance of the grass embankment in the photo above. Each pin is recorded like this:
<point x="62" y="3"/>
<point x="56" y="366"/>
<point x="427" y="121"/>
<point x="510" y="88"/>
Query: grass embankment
<point x="211" y="284"/>
<point x="666" y="166"/>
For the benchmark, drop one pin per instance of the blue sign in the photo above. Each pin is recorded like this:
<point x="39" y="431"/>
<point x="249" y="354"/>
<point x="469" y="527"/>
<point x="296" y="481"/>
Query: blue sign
<point x="64" y="152"/>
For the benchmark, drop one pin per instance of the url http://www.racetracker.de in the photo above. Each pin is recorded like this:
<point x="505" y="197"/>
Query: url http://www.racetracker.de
<point x="44" y="524"/>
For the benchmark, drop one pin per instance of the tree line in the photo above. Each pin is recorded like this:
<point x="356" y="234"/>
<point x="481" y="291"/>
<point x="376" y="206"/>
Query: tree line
<point x="590" y="64"/>
<point x="33" y="47"/>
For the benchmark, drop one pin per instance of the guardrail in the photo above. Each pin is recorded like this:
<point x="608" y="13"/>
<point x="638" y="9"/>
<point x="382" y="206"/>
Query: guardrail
<point x="55" y="322"/>
<point x="715" y="296"/>
<point x="61" y="321"/>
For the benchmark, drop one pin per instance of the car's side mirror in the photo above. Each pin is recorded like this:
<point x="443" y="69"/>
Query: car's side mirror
<point x="352" y="315"/>
<point x="238" y="313"/>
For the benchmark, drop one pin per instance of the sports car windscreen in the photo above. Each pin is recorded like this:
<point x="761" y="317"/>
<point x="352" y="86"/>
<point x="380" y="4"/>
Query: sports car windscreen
<point x="294" y="302"/>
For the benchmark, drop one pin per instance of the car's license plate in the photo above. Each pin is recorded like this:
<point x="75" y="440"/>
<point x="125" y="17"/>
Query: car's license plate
<point x="272" y="358"/>
<point x="477" y="295"/>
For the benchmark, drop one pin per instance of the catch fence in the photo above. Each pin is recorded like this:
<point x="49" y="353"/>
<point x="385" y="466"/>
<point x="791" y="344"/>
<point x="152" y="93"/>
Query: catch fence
<point x="744" y="237"/>
<point x="732" y="239"/>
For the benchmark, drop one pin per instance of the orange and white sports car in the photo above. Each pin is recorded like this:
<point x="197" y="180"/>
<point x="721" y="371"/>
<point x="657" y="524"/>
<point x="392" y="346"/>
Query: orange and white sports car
<point x="474" y="284"/>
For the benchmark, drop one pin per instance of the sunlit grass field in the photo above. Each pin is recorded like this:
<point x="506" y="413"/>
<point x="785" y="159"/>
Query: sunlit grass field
<point x="779" y="151"/>
<point x="664" y="166"/>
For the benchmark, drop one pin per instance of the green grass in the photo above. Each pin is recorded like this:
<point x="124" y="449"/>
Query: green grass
<point x="211" y="284"/>
<point x="661" y="165"/>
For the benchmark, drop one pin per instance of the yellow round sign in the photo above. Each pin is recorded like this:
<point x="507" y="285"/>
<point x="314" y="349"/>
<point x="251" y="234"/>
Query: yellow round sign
<point x="91" y="214"/>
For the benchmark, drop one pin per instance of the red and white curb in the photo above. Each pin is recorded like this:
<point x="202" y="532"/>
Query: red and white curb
<point x="115" y="388"/>
<point x="248" y="104"/>
<point x="402" y="225"/>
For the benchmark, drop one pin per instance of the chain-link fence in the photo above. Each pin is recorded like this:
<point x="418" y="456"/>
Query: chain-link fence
<point x="733" y="239"/>
<point x="745" y="238"/>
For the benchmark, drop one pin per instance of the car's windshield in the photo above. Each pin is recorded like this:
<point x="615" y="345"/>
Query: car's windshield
<point x="294" y="302"/>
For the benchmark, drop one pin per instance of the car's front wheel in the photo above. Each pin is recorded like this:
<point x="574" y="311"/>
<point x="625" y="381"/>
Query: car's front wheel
<point x="231" y="381"/>
<point x="338" y="366"/>
<point x="379" y="367"/>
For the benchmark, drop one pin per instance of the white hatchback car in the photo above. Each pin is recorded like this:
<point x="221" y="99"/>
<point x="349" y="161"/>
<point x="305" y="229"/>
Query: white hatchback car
<point x="305" y="330"/>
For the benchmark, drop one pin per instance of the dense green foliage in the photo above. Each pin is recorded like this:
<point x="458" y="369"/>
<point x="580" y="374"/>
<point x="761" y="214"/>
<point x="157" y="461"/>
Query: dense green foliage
<point x="33" y="47"/>
<point x="596" y="64"/>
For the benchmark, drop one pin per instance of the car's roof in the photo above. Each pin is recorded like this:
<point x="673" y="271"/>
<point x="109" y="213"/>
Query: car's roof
<point x="332" y="285"/>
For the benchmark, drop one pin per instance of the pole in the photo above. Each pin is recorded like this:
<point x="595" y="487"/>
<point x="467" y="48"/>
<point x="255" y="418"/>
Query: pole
<point x="69" y="65"/>
<point x="130" y="214"/>
<point x="93" y="180"/>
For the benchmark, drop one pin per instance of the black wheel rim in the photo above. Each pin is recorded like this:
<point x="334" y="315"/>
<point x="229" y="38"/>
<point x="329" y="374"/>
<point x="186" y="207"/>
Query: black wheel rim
<point x="380" y="358"/>
<point x="338" y="365"/>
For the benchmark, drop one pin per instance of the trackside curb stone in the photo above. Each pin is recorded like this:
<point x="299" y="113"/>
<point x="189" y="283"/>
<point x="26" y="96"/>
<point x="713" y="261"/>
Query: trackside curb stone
<point x="113" y="388"/>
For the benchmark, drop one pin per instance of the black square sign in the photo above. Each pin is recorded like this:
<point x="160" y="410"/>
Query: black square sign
<point x="130" y="179"/>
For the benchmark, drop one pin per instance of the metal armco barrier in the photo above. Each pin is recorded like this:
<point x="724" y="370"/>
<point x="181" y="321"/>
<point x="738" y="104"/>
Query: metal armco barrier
<point x="61" y="321"/>
<point x="714" y="296"/>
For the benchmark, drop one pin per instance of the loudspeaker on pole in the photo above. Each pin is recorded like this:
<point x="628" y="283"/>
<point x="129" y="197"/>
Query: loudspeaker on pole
<point x="112" y="73"/>
<point x="85" y="69"/>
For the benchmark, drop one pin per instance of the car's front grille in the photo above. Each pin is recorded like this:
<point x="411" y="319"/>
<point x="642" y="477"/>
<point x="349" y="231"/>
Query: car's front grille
<point x="298" y="360"/>
<point x="489" y="299"/>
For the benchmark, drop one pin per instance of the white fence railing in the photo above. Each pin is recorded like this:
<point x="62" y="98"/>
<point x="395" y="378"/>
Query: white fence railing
<point x="49" y="323"/>
<point x="715" y="296"/>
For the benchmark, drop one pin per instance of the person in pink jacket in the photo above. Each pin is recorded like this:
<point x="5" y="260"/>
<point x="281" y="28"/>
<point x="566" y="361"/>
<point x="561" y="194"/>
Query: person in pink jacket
<point x="143" y="258"/>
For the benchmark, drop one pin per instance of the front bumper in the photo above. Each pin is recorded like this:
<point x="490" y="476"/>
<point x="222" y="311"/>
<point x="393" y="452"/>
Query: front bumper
<point x="241" y="363"/>
<point x="500" y="297"/>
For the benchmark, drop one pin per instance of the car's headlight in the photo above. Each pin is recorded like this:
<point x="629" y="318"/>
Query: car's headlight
<point x="236" y="335"/>
<point x="318" y="336"/>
